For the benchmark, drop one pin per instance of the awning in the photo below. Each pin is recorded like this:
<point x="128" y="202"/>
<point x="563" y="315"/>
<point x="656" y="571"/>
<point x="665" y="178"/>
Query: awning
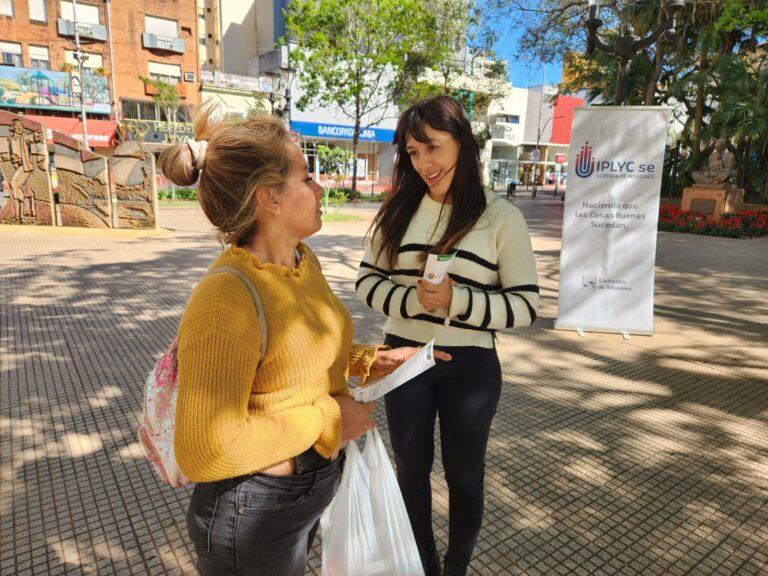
<point x="101" y="133"/>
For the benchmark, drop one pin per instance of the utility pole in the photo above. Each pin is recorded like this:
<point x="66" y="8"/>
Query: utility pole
<point x="537" y="152"/>
<point x="80" y="58"/>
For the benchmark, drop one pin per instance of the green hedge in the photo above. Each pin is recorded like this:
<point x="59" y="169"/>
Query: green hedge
<point x="181" y="194"/>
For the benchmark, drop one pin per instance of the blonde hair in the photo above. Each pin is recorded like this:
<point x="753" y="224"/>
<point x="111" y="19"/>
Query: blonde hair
<point x="239" y="158"/>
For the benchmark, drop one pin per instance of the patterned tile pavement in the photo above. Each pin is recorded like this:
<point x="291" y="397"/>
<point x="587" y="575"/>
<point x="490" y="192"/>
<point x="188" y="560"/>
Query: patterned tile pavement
<point x="607" y="457"/>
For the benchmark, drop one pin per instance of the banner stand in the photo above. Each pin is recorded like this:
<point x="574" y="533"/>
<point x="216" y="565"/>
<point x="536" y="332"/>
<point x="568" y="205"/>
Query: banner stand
<point x="610" y="219"/>
<point x="582" y="330"/>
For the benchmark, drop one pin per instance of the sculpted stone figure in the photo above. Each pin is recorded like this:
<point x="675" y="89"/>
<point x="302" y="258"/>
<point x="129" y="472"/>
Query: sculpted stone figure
<point x="24" y="166"/>
<point x="22" y="160"/>
<point x="719" y="168"/>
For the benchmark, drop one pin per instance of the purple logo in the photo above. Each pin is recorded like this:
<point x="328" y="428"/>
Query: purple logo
<point x="585" y="164"/>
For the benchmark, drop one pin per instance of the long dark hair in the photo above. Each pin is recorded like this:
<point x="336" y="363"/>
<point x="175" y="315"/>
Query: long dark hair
<point x="445" y="114"/>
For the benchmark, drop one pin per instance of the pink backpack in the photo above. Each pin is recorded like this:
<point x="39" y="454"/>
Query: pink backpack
<point x="160" y="392"/>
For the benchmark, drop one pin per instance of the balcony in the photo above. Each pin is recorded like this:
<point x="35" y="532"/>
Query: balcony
<point x="167" y="43"/>
<point x="235" y="81"/>
<point x="86" y="31"/>
<point x="270" y="62"/>
<point x="508" y="132"/>
<point x="151" y="90"/>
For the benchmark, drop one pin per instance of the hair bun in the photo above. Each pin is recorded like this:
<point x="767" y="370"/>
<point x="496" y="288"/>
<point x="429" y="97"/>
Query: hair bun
<point x="180" y="165"/>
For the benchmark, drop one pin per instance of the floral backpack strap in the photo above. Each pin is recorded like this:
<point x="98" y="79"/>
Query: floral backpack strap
<point x="256" y="300"/>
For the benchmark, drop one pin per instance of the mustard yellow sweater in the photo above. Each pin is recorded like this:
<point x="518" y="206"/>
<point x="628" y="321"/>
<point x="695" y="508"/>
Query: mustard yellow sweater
<point x="232" y="419"/>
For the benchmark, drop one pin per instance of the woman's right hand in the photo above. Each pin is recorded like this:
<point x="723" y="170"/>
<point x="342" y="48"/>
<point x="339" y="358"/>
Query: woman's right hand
<point x="355" y="417"/>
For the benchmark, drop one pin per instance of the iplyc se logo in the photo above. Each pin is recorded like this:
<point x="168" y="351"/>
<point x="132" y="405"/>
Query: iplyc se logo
<point x="585" y="164"/>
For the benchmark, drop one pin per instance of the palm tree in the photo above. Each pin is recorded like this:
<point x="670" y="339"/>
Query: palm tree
<point x="741" y="113"/>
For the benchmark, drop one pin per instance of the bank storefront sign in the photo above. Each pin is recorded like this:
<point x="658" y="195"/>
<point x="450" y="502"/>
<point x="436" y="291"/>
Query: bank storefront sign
<point x="341" y="132"/>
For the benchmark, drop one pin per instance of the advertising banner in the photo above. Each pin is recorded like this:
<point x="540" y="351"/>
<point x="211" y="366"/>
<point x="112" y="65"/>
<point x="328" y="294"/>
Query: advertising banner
<point x="610" y="219"/>
<point x="48" y="90"/>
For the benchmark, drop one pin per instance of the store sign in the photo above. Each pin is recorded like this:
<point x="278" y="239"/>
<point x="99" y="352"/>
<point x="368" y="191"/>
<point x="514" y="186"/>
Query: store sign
<point x="155" y="131"/>
<point x="341" y="132"/>
<point x="48" y="90"/>
<point x="561" y="158"/>
<point x="101" y="133"/>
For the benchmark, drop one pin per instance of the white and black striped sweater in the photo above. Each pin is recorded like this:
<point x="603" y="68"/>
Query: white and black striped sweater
<point x="494" y="270"/>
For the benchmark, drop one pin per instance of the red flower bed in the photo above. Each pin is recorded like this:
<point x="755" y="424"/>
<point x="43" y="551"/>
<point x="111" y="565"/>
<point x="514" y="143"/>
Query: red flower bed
<point x="745" y="224"/>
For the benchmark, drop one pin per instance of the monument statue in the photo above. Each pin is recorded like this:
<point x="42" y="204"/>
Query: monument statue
<point x="720" y="166"/>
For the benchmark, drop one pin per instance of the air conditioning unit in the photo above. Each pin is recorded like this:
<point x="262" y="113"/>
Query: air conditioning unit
<point x="190" y="77"/>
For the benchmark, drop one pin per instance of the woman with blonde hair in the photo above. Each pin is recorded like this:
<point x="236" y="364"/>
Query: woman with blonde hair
<point x="262" y="437"/>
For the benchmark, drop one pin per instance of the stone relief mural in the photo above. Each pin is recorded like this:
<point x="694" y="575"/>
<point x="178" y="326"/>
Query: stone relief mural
<point x="28" y="198"/>
<point x="133" y="177"/>
<point x="83" y="182"/>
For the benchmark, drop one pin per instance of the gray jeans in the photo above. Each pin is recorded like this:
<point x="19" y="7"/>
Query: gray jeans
<point x="261" y="524"/>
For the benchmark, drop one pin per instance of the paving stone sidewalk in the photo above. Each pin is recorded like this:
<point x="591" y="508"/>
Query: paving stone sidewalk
<point x="607" y="457"/>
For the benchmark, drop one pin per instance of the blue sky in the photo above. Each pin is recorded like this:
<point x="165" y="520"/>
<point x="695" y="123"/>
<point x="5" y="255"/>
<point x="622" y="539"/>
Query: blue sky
<point x="522" y="73"/>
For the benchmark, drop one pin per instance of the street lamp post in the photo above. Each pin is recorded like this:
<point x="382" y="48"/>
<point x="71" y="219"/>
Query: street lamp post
<point x="81" y="57"/>
<point x="538" y="144"/>
<point x="627" y="45"/>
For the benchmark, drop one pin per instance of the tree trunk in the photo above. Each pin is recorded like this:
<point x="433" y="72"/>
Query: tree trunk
<point x="653" y="81"/>
<point x="353" y="195"/>
<point x="699" y="113"/>
<point x="741" y="170"/>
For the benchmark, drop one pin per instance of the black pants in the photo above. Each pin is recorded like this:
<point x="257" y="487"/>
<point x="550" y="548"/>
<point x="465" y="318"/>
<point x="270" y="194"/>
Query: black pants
<point x="465" y="393"/>
<point x="261" y="525"/>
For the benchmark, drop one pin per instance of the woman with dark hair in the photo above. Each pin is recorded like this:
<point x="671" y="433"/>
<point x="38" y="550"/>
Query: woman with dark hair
<point x="438" y="206"/>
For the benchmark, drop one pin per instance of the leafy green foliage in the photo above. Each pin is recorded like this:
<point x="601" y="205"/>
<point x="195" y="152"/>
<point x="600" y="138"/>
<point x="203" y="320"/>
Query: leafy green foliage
<point x="181" y="194"/>
<point x="333" y="160"/>
<point x="712" y="71"/>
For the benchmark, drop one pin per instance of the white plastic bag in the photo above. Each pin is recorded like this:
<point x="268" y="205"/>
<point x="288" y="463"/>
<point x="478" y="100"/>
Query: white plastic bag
<point x="349" y="541"/>
<point x="390" y="518"/>
<point x="365" y="530"/>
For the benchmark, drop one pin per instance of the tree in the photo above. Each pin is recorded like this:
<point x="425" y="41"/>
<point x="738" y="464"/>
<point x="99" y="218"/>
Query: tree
<point x="707" y="71"/>
<point x="333" y="161"/>
<point x="353" y="55"/>
<point x="165" y="96"/>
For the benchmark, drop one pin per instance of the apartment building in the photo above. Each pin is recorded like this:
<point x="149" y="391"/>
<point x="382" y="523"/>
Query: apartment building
<point x="125" y="43"/>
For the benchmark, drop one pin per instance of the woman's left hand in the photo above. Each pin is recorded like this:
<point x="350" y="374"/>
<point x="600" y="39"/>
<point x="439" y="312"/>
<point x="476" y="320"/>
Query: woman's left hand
<point x="388" y="360"/>
<point x="433" y="296"/>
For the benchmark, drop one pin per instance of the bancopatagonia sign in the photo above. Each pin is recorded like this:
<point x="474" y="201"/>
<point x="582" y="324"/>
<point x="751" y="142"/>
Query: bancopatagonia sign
<point x="338" y="131"/>
<point x="587" y="165"/>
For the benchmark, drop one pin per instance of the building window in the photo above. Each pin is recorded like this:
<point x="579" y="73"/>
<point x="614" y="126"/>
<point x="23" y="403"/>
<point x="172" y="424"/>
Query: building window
<point x="167" y="73"/>
<point x="6" y="7"/>
<point x="39" y="57"/>
<point x="93" y="59"/>
<point x="148" y="110"/>
<point x="138" y="109"/>
<point x="86" y="13"/>
<point x="161" y="26"/>
<point x="11" y="53"/>
<point x="37" y="10"/>
<point x="509" y="118"/>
